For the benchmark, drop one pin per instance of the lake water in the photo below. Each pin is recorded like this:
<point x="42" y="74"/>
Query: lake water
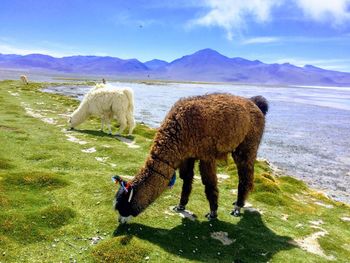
<point x="307" y="131"/>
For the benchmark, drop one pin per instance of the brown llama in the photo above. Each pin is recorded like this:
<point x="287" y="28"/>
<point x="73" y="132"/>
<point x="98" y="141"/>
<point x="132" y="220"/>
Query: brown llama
<point x="204" y="128"/>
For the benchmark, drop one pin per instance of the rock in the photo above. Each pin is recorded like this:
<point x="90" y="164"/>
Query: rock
<point x="222" y="237"/>
<point x="345" y="219"/>
<point x="311" y="245"/>
<point x="324" y="205"/>
<point x="101" y="159"/>
<point x="285" y="217"/>
<point x="95" y="240"/>
<point x="89" y="150"/>
<point x="185" y="214"/>
<point x="317" y="222"/>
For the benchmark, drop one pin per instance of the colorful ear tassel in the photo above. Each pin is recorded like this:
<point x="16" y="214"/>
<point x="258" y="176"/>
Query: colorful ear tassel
<point x="172" y="181"/>
<point x="117" y="179"/>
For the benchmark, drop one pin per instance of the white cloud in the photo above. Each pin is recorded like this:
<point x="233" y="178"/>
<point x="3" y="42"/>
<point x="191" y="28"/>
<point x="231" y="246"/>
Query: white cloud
<point x="335" y="11"/>
<point x="50" y="48"/>
<point x="261" y="40"/>
<point x="10" y="49"/>
<point x="232" y="15"/>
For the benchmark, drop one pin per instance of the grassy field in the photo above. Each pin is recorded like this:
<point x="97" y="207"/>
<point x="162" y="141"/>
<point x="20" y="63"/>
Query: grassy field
<point x="56" y="199"/>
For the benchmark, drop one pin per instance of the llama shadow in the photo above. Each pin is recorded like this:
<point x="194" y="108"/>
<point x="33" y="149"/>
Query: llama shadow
<point x="252" y="240"/>
<point x="100" y="133"/>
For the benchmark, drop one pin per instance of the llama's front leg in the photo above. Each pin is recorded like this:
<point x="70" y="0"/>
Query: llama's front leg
<point x="209" y="179"/>
<point x="109" y="126"/>
<point x="245" y="166"/>
<point x="123" y="124"/>
<point x="131" y="122"/>
<point x="186" y="174"/>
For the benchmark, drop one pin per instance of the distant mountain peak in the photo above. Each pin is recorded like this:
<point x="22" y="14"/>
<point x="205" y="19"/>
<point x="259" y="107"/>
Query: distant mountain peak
<point x="155" y="63"/>
<point x="311" y="67"/>
<point x="203" y="65"/>
<point x="208" y="52"/>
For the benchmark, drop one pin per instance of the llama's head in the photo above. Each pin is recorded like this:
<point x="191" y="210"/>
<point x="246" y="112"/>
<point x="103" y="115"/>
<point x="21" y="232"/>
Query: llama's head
<point x="70" y="123"/>
<point x="123" y="202"/>
<point x="74" y="120"/>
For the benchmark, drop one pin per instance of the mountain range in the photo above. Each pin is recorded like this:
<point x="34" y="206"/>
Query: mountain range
<point x="203" y="65"/>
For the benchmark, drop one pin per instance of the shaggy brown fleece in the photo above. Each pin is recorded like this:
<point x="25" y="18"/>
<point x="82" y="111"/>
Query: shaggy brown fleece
<point x="204" y="128"/>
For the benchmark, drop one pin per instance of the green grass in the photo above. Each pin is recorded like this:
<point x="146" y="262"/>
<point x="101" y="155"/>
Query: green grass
<point x="56" y="201"/>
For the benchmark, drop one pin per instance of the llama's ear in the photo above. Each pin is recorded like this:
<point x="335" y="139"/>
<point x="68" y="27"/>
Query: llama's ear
<point x="115" y="179"/>
<point x="124" y="184"/>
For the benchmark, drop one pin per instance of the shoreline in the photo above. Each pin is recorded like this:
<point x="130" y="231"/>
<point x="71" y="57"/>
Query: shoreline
<point x="337" y="194"/>
<point x="278" y="172"/>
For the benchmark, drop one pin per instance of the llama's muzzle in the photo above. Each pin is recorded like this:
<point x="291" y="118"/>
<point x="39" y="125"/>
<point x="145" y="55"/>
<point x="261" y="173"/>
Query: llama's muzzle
<point x="124" y="219"/>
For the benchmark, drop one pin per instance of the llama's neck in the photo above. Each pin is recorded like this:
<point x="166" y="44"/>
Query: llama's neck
<point x="166" y="155"/>
<point x="151" y="182"/>
<point x="80" y="114"/>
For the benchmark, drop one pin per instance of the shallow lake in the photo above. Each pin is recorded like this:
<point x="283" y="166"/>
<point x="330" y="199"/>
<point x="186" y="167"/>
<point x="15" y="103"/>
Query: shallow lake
<point x="307" y="131"/>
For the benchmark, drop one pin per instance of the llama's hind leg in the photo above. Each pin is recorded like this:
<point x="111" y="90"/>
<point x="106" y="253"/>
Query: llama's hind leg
<point x="102" y="123"/>
<point x="244" y="158"/>
<point x="186" y="174"/>
<point x="106" y="118"/>
<point x="209" y="179"/>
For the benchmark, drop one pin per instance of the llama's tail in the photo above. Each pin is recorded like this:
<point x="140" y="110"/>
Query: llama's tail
<point x="261" y="102"/>
<point x="130" y="114"/>
<point x="130" y="94"/>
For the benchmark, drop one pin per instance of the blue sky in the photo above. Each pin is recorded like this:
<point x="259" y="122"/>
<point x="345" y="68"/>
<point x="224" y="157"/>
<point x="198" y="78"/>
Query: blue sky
<point x="297" y="31"/>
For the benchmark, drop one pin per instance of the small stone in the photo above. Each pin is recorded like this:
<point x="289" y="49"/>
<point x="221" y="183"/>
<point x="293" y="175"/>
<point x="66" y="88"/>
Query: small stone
<point x="180" y="250"/>
<point x="147" y="258"/>
<point x="285" y="217"/>
<point x="195" y="237"/>
<point x="345" y="219"/>
<point x="43" y="217"/>
<point x="219" y="253"/>
<point x="4" y="253"/>
<point x="97" y="203"/>
<point x="194" y="251"/>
